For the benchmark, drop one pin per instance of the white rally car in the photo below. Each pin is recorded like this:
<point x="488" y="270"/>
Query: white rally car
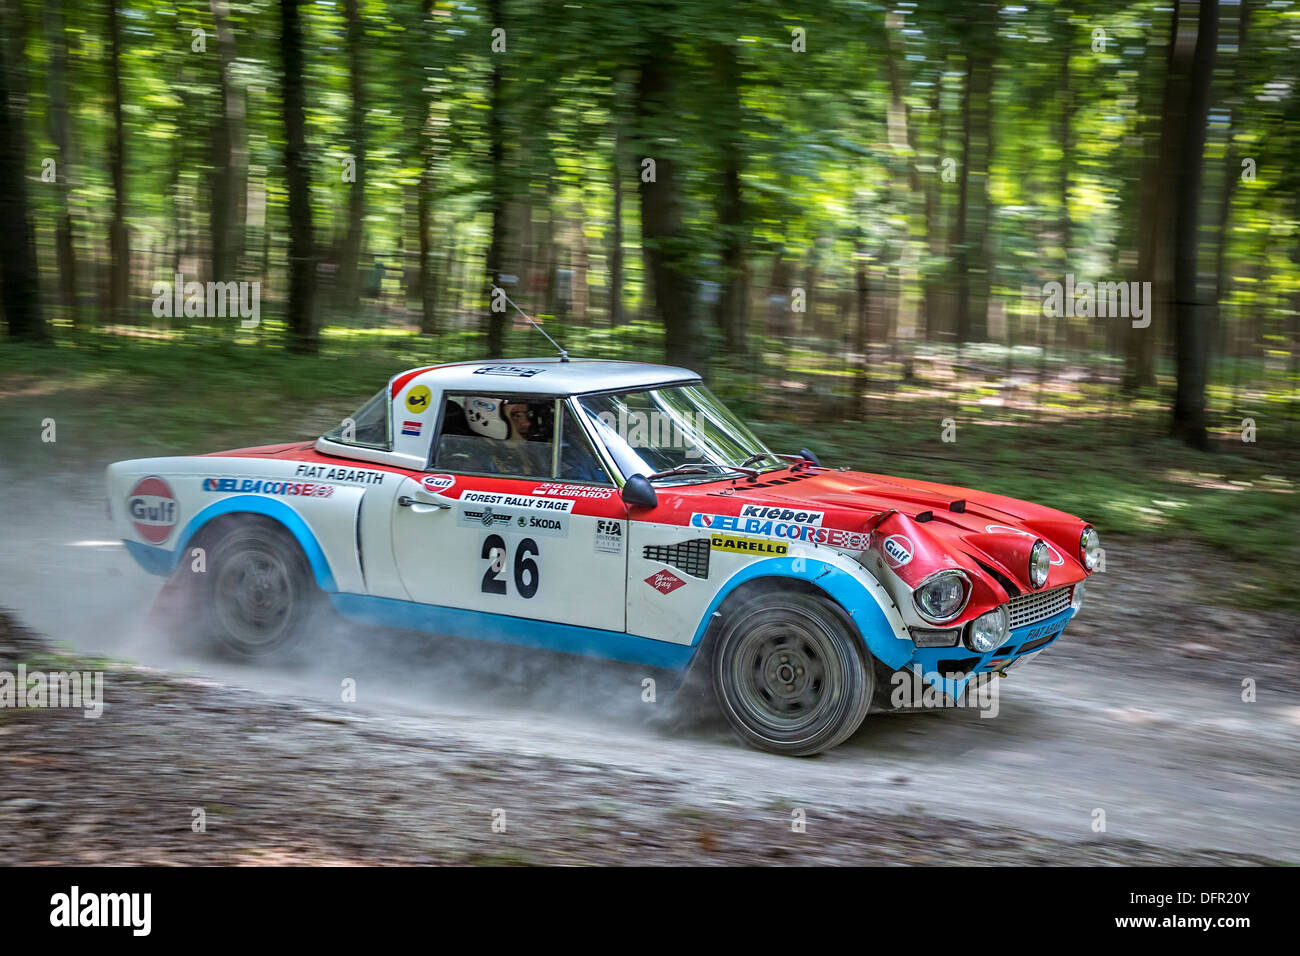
<point x="619" y="510"/>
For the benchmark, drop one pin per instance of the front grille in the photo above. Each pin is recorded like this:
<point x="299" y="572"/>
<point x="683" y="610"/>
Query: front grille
<point x="1031" y="608"/>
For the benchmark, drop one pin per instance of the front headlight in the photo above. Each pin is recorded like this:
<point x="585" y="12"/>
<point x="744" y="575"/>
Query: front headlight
<point x="1076" y="597"/>
<point x="1040" y="563"/>
<point x="1090" y="548"/>
<point x="942" y="595"/>
<point x="989" y="631"/>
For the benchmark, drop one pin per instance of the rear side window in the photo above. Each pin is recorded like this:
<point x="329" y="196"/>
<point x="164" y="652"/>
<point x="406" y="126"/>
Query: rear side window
<point x="497" y="435"/>
<point x="367" y="426"/>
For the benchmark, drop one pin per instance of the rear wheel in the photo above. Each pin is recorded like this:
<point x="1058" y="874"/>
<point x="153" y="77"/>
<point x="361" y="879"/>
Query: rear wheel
<point x="790" y="674"/>
<point x="256" y="594"/>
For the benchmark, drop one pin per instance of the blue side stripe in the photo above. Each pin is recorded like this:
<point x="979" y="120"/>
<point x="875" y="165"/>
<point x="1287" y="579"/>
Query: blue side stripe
<point x="483" y="625"/>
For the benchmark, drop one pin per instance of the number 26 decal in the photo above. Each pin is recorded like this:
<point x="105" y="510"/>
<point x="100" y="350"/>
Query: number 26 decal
<point x="527" y="575"/>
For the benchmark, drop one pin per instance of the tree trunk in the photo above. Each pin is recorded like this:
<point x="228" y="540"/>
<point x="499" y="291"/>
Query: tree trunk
<point x="1156" y="223"/>
<point x="302" y="253"/>
<point x="970" y="234"/>
<point x="1191" y="351"/>
<point x="56" y="42"/>
<point x="662" y="230"/>
<point x="19" y="282"/>
<point x="496" y="324"/>
<point x="120" y="253"/>
<point x="1236" y="100"/>
<point x="616" y="231"/>
<point x="229" y="187"/>
<point x="348" y="292"/>
<point x="733" y="296"/>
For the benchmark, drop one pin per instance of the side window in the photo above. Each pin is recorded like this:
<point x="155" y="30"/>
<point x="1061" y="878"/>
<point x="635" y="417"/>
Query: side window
<point x="367" y="426"/>
<point x="578" y="460"/>
<point x="497" y="435"/>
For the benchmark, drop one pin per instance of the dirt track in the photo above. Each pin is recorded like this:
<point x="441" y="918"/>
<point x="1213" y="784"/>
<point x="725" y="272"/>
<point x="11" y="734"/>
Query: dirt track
<point x="1138" y="713"/>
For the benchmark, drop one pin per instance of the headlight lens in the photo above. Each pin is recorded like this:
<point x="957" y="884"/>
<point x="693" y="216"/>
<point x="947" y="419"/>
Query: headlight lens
<point x="1076" y="598"/>
<point x="941" y="597"/>
<point x="1090" y="548"/>
<point x="989" y="631"/>
<point x="1040" y="563"/>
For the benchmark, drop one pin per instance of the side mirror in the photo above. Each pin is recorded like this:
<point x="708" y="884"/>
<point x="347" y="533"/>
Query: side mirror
<point x="639" y="493"/>
<point x="810" y="456"/>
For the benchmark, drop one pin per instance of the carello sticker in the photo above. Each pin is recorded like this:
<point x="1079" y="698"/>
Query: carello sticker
<point x="417" y="399"/>
<point x="728" y="542"/>
<point x="897" y="549"/>
<point x="437" y="483"/>
<point x="152" y="508"/>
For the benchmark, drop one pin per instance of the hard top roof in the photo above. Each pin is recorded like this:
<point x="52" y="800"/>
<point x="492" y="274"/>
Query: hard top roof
<point x="542" y="376"/>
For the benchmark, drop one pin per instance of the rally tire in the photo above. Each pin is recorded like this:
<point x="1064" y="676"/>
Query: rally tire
<point x="257" y="597"/>
<point x="790" y="673"/>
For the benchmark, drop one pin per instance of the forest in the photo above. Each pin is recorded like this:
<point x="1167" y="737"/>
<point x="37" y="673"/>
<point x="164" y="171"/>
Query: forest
<point x="855" y="203"/>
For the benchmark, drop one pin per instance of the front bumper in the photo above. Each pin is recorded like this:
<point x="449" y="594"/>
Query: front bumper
<point x="949" y="669"/>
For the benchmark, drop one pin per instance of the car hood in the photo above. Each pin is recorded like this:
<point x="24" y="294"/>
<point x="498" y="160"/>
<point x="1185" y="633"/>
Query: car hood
<point x="917" y="528"/>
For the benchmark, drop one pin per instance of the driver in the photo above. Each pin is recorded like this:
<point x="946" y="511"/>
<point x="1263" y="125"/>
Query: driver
<point x="509" y="425"/>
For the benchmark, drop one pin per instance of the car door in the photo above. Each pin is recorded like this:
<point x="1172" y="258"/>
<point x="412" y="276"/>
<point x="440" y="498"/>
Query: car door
<point x="526" y="531"/>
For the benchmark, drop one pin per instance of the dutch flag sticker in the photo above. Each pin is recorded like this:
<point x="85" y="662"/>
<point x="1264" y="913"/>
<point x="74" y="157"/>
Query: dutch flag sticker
<point x="411" y="428"/>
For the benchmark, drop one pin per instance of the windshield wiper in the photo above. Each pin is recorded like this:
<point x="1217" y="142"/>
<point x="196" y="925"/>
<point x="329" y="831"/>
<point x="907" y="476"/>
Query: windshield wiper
<point x="699" y="469"/>
<point x="797" y="459"/>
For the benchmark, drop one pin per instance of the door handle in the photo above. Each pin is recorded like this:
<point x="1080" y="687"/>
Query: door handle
<point x="406" y="501"/>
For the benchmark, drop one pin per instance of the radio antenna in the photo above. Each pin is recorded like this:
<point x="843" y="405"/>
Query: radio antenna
<point x="564" y="356"/>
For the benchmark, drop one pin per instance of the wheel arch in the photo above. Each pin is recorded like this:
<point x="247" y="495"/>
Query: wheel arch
<point x="201" y="526"/>
<point x="881" y="632"/>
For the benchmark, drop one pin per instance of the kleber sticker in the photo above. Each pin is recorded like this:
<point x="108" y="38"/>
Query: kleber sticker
<point x="418" y="399"/>
<point x="782" y="514"/>
<point x="897" y="549"/>
<point x="153" y="509"/>
<point x="665" y="582"/>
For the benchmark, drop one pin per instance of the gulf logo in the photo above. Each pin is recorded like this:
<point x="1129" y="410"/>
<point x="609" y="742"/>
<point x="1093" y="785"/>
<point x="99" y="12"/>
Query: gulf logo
<point x="437" y="483"/>
<point x="897" y="549"/>
<point x="152" y="508"/>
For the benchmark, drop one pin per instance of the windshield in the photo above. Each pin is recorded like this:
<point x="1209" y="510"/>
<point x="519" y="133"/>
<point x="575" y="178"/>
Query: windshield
<point x="683" y="427"/>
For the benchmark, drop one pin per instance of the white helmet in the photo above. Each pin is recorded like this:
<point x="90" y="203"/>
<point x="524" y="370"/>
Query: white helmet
<point x="485" y="417"/>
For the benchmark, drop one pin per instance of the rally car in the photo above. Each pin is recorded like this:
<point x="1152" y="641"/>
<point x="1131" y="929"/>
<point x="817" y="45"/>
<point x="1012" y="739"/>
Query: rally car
<point x="619" y="510"/>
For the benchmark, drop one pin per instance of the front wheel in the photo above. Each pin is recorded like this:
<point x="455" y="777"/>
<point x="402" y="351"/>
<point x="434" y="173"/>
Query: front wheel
<point x="790" y="674"/>
<point x="256" y="594"/>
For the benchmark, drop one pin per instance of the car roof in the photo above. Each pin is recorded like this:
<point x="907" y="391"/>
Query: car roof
<point x="542" y="376"/>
